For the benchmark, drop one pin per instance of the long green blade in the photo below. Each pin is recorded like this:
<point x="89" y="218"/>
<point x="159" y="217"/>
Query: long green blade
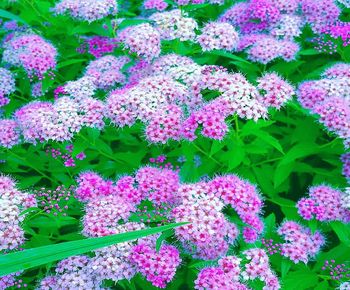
<point x="9" y="15"/>
<point x="30" y="258"/>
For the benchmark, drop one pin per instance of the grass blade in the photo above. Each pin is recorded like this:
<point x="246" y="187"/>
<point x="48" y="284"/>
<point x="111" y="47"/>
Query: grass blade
<point x="30" y="258"/>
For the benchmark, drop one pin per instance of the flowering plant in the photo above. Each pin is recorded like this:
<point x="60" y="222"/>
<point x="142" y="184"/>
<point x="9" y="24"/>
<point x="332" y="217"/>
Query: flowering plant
<point x="175" y="144"/>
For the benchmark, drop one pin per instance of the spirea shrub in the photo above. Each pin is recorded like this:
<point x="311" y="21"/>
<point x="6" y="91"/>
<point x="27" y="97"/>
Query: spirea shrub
<point x="186" y="144"/>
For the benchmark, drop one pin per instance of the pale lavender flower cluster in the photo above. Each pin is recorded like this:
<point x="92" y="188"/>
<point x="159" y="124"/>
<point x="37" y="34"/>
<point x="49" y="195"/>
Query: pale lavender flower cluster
<point x="174" y="25"/>
<point x="158" y="5"/>
<point x="58" y="121"/>
<point x="12" y="203"/>
<point x="230" y="275"/>
<point x="9" y="133"/>
<point x="218" y="35"/>
<point x="87" y="10"/>
<point x="301" y="244"/>
<point x="32" y="52"/>
<point x="7" y="86"/>
<point x="142" y="39"/>
<point x="106" y="71"/>
<point x="167" y="96"/>
<point x="267" y="28"/>
<point x="325" y="204"/>
<point x="330" y="99"/>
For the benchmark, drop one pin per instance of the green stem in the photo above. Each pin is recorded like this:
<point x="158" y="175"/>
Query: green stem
<point x="268" y="161"/>
<point x="237" y="125"/>
<point x="206" y="154"/>
<point x="278" y="203"/>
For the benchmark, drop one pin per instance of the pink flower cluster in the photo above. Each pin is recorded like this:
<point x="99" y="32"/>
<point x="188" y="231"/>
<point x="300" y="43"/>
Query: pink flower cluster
<point x="218" y="35"/>
<point x="193" y="2"/>
<point x="72" y="273"/>
<point x="32" y="52"/>
<point x="158" y="185"/>
<point x="275" y="91"/>
<point x="158" y="267"/>
<point x="42" y="121"/>
<point x="209" y="234"/>
<point x="265" y="48"/>
<point x="325" y="204"/>
<point x="267" y="28"/>
<point x="7" y="86"/>
<point x="97" y="45"/>
<point x="142" y="39"/>
<point x="106" y="71"/>
<point x="169" y="96"/>
<point x="195" y="203"/>
<point x="229" y="275"/>
<point x="320" y="13"/>
<point x="12" y="203"/>
<point x="174" y="24"/>
<point x="301" y="244"/>
<point x="109" y="205"/>
<point x="337" y="272"/>
<point x="330" y="99"/>
<point x="9" y="133"/>
<point x="87" y="10"/>
<point x="158" y="5"/>
<point x="345" y="158"/>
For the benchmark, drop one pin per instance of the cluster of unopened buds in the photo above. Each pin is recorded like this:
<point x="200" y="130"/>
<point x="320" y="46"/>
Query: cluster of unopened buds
<point x="55" y="201"/>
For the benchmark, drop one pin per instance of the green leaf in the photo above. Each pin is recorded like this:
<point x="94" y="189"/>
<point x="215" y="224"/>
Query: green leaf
<point x="312" y="225"/>
<point x="162" y="237"/>
<point x="29" y="181"/>
<point x="309" y="51"/>
<point x="69" y="62"/>
<point x="281" y="173"/>
<point x="228" y="55"/>
<point x="285" y="267"/>
<point x="27" y="259"/>
<point x="300" y="280"/>
<point x="9" y="15"/>
<point x="322" y="286"/>
<point x="342" y="231"/>
<point x="216" y="146"/>
<point x="268" y="139"/>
